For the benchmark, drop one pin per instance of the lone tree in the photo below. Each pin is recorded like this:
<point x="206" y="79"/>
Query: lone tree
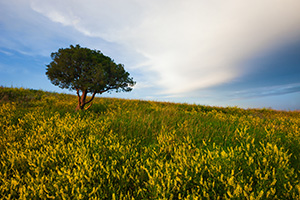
<point x="87" y="71"/>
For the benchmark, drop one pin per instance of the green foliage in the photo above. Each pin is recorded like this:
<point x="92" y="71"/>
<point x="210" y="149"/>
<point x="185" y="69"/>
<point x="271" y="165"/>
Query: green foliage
<point x="131" y="149"/>
<point x="85" y="69"/>
<point x="88" y="71"/>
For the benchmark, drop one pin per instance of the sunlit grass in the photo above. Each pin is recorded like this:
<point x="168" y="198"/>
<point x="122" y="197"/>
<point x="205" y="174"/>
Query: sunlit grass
<point x="126" y="149"/>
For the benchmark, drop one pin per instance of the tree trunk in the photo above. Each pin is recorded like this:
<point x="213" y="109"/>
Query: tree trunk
<point x="82" y="100"/>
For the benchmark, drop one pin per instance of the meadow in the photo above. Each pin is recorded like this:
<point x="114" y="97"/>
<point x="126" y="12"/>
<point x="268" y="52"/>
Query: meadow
<point x="133" y="149"/>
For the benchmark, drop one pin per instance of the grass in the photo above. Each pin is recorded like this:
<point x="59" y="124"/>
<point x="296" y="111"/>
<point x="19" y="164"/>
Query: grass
<point x="131" y="149"/>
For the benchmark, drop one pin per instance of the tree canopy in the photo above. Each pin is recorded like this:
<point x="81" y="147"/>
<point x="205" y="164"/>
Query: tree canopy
<point x="87" y="71"/>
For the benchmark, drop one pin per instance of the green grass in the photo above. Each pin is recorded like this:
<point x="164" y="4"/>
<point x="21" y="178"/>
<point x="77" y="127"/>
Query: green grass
<point x="131" y="149"/>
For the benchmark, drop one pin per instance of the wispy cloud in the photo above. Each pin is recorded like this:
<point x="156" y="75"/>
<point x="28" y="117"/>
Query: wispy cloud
<point x="189" y="44"/>
<point x="266" y="91"/>
<point x="28" y="32"/>
<point x="7" y="53"/>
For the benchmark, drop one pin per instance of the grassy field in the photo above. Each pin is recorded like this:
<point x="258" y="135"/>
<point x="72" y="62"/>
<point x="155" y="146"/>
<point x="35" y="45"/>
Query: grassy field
<point x="131" y="149"/>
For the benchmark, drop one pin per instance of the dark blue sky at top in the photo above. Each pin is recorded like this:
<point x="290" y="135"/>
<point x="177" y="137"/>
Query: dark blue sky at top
<point x="272" y="74"/>
<point x="272" y="81"/>
<point x="276" y="67"/>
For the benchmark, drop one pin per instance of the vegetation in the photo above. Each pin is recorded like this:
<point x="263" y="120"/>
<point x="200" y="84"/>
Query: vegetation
<point x="87" y="71"/>
<point x="131" y="149"/>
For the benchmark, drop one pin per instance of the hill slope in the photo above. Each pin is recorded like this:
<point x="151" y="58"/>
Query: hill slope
<point x="143" y="149"/>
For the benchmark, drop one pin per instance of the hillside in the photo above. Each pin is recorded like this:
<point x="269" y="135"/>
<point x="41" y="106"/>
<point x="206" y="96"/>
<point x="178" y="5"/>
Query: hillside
<point x="124" y="149"/>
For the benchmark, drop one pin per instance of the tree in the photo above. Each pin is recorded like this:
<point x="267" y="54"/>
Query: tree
<point x="87" y="71"/>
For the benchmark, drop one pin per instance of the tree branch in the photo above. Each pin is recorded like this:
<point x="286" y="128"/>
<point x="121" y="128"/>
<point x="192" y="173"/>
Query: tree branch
<point x="91" y="99"/>
<point x="89" y="106"/>
<point x="105" y="90"/>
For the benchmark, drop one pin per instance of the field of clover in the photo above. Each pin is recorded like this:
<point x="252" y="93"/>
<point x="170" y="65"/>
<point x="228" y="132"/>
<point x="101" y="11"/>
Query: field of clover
<point x="132" y="149"/>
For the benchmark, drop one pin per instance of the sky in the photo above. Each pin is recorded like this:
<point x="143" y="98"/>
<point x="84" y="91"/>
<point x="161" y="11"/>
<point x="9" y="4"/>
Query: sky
<point x="220" y="53"/>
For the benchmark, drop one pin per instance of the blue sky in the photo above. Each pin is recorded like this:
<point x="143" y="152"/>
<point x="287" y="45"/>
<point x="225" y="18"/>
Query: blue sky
<point x="219" y="53"/>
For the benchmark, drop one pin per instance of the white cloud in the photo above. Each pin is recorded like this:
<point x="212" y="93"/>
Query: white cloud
<point x="190" y="44"/>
